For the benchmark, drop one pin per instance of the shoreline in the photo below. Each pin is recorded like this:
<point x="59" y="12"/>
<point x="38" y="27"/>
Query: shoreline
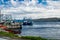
<point x="11" y="36"/>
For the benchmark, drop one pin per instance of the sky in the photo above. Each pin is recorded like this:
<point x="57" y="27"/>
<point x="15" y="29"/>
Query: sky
<point x="31" y="8"/>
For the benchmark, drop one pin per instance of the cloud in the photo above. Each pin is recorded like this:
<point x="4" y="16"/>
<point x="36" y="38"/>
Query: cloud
<point x="33" y="9"/>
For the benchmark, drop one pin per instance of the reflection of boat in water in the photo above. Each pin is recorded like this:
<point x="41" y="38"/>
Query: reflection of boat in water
<point x="27" y="22"/>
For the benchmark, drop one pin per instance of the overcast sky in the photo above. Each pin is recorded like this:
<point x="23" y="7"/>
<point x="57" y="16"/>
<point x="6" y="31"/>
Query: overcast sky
<point x="31" y="8"/>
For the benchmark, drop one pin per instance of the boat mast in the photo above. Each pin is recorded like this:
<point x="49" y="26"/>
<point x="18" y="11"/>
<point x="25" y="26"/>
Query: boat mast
<point x="0" y="14"/>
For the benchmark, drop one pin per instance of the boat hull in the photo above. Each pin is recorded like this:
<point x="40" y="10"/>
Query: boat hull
<point x="14" y="30"/>
<point x="26" y="23"/>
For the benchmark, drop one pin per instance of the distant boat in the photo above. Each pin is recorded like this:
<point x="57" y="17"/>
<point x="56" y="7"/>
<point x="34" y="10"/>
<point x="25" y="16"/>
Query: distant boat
<point x="27" y="22"/>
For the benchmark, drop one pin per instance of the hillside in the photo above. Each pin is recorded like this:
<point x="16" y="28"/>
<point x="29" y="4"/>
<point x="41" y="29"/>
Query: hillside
<point x="47" y="20"/>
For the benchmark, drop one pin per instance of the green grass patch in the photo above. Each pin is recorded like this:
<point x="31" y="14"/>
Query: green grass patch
<point x="7" y="34"/>
<point x="33" y="38"/>
<point x="11" y="35"/>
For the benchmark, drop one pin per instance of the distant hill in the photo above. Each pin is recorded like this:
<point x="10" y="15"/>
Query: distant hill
<point x="47" y="20"/>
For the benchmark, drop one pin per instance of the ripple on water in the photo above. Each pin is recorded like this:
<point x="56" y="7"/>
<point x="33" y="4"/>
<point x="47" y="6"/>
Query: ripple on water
<point x="47" y="30"/>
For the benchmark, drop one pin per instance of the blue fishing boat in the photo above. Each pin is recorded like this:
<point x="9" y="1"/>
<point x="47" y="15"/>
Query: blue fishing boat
<point x="27" y="21"/>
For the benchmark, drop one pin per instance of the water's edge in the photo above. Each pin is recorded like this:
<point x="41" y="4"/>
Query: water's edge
<point x="43" y="29"/>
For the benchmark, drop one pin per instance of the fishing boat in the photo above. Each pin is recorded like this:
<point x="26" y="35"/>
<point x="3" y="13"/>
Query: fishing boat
<point x="27" y="22"/>
<point x="9" y="26"/>
<point x="14" y="27"/>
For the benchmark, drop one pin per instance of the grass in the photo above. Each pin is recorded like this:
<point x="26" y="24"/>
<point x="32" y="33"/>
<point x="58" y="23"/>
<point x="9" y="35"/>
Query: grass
<point x="11" y="35"/>
<point x="33" y="38"/>
<point x="6" y="34"/>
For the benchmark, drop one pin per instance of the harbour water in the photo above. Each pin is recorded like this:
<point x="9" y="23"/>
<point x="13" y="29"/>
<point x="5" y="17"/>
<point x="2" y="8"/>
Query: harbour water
<point x="2" y="39"/>
<point x="43" y="29"/>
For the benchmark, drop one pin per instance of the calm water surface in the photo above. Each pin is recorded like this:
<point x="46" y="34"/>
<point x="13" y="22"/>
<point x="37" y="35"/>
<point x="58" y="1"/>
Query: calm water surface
<point x="43" y="29"/>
